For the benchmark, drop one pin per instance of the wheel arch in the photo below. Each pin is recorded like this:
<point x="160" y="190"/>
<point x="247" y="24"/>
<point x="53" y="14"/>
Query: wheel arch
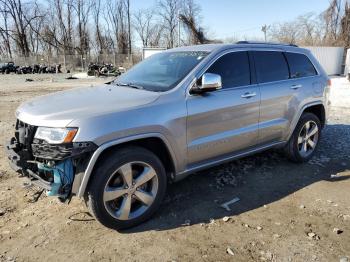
<point x="319" y="111"/>
<point x="148" y="141"/>
<point x="316" y="108"/>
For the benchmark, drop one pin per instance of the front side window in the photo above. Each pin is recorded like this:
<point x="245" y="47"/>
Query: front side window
<point x="270" y="66"/>
<point x="233" y="69"/>
<point x="300" y="65"/>
<point x="161" y="72"/>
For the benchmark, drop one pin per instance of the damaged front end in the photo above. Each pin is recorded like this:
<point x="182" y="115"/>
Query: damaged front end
<point x="56" y="167"/>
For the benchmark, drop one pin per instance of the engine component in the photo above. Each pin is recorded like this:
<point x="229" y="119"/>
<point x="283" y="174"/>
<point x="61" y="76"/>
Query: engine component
<point x="63" y="176"/>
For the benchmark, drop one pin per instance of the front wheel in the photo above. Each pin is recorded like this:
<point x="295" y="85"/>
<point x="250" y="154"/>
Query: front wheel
<point x="305" y="138"/>
<point x="127" y="188"/>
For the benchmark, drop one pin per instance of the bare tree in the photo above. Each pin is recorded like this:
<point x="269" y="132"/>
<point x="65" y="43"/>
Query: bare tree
<point x="4" y="29"/>
<point x="190" y="17"/>
<point x="168" y="11"/>
<point x="21" y="17"/>
<point x="284" y="32"/>
<point x="127" y="2"/>
<point x="147" y="27"/>
<point x="82" y="9"/>
<point x="345" y="26"/>
<point x="332" y="18"/>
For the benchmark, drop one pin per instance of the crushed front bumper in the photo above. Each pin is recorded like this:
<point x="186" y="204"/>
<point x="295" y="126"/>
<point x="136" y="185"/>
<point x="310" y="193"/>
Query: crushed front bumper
<point x="20" y="166"/>
<point x="39" y="161"/>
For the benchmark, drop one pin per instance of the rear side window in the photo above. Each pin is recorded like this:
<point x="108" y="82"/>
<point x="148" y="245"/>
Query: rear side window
<point x="300" y="65"/>
<point x="270" y="66"/>
<point x="233" y="68"/>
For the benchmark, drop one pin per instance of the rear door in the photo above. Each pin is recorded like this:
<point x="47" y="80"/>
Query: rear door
<point x="283" y="85"/>
<point x="273" y="77"/>
<point x="226" y="120"/>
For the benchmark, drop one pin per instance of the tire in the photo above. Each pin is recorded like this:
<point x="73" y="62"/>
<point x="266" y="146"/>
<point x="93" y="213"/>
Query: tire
<point x="111" y="175"/>
<point x="7" y="71"/>
<point x="299" y="148"/>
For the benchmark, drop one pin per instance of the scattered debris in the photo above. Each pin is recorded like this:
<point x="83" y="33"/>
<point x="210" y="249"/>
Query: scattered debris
<point x="71" y="78"/>
<point x="230" y="251"/>
<point x="29" y="80"/>
<point x="36" y="196"/>
<point x="266" y="255"/>
<point x="346" y="217"/>
<point x="10" y="259"/>
<point x="337" y="231"/>
<point x="225" y="219"/>
<point x="312" y="235"/>
<point x="226" y="205"/>
<point x="344" y="259"/>
<point x="2" y="212"/>
<point x="187" y="222"/>
<point x="212" y="221"/>
<point x="275" y="236"/>
<point x="259" y="228"/>
<point x="301" y="206"/>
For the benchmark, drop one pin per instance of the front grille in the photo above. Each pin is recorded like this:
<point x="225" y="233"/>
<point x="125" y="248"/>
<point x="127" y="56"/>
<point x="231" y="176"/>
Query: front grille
<point x="21" y="144"/>
<point x="24" y="135"/>
<point x="43" y="150"/>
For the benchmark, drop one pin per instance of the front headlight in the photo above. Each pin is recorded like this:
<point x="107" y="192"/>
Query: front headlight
<point x="54" y="135"/>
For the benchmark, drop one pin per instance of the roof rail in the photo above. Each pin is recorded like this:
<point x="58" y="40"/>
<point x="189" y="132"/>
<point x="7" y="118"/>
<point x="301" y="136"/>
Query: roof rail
<point x="264" y="43"/>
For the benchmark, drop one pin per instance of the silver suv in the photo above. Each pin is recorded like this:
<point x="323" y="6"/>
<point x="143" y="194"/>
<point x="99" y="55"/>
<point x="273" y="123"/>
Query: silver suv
<point x="118" y="145"/>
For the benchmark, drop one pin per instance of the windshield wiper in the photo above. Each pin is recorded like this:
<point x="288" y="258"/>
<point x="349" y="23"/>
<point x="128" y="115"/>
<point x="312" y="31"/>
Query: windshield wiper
<point x="130" y="85"/>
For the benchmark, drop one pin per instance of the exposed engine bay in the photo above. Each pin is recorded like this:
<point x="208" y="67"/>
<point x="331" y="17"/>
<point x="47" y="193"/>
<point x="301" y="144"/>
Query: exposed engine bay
<point x="52" y="167"/>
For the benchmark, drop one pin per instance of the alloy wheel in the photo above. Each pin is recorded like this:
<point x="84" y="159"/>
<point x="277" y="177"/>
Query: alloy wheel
<point x="308" y="138"/>
<point x="130" y="190"/>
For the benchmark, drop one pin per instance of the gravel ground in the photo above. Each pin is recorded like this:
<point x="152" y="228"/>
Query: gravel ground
<point x="285" y="212"/>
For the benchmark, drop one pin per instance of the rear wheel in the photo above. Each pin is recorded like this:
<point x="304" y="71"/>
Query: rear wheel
<point x="127" y="188"/>
<point x="304" y="141"/>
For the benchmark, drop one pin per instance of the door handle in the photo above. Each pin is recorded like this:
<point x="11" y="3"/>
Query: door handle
<point x="296" y="86"/>
<point x="248" y="95"/>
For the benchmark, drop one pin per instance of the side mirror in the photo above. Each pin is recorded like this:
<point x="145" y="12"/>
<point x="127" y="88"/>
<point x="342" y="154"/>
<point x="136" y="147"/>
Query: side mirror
<point x="210" y="82"/>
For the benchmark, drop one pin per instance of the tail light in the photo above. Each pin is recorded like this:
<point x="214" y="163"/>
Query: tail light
<point x="329" y="82"/>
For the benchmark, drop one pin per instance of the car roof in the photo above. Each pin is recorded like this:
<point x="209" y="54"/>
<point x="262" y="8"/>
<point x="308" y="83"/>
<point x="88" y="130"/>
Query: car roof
<point x="243" y="44"/>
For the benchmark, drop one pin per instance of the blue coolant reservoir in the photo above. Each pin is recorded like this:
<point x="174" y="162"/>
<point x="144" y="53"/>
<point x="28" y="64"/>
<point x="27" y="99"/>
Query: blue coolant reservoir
<point x="62" y="177"/>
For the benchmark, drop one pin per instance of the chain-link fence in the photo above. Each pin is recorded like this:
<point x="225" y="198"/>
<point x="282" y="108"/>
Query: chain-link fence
<point x="76" y="63"/>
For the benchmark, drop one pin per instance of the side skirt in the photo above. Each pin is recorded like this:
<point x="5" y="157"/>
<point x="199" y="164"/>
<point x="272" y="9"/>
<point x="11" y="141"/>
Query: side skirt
<point x="226" y="158"/>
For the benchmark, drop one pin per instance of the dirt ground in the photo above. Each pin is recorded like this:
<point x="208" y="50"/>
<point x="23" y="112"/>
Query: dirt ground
<point x="286" y="212"/>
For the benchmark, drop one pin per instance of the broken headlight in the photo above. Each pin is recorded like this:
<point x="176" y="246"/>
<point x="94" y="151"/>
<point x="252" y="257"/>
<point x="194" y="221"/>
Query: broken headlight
<point x="54" y="135"/>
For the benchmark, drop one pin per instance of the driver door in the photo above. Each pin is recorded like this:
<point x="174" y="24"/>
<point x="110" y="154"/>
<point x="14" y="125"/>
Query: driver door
<point x="224" y="121"/>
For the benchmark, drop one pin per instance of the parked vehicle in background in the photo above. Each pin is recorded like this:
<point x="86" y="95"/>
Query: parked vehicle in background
<point x="6" y="68"/>
<point x="104" y="70"/>
<point x="175" y="113"/>
<point x="24" y="70"/>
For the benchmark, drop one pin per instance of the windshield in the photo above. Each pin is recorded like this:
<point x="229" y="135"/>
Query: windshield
<point x="161" y="72"/>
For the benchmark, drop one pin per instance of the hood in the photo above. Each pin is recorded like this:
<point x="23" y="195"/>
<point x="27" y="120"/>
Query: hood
<point x="59" y="109"/>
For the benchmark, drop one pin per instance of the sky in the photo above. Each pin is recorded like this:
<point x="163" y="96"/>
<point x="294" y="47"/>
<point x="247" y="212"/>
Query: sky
<point x="240" y="18"/>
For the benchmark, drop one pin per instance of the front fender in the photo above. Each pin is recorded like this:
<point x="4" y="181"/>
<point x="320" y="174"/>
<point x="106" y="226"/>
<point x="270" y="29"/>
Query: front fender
<point x="94" y="158"/>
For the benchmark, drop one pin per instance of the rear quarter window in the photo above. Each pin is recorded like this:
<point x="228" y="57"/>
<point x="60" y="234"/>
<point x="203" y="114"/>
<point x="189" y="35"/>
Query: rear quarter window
<point x="270" y="66"/>
<point x="300" y="65"/>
